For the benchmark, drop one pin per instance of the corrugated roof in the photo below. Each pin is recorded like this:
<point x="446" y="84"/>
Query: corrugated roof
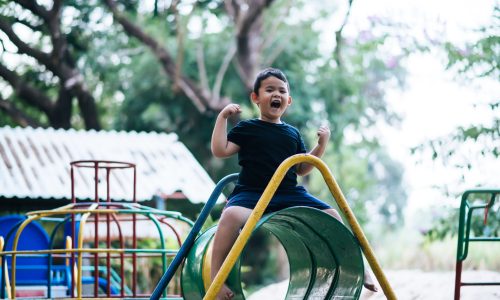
<point x="35" y="163"/>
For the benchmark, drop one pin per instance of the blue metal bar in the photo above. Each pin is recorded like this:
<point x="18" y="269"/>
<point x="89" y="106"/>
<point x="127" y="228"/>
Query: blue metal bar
<point x="188" y="243"/>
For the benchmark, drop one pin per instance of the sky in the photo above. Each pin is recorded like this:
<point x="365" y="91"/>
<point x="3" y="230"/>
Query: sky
<point x="434" y="102"/>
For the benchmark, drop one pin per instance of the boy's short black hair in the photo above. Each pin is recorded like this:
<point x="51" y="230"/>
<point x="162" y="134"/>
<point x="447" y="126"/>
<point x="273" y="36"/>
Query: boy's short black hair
<point x="266" y="73"/>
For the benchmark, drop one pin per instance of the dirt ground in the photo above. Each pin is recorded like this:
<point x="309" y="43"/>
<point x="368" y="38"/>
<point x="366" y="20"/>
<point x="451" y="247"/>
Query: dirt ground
<point x="414" y="285"/>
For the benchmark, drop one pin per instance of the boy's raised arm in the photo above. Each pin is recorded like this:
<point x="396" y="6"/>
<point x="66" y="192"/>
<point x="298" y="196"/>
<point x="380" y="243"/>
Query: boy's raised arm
<point x="318" y="151"/>
<point x="220" y="146"/>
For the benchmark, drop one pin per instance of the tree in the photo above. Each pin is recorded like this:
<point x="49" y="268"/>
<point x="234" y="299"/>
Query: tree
<point x="173" y="65"/>
<point x="475" y="60"/>
<point x="50" y="81"/>
<point x="247" y="47"/>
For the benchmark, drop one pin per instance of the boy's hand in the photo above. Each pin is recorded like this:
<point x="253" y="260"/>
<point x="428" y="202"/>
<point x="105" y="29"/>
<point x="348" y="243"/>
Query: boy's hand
<point x="323" y="135"/>
<point x="230" y="110"/>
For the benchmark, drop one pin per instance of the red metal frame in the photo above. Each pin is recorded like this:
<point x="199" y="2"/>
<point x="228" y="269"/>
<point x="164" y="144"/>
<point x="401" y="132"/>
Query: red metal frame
<point x="108" y="166"/>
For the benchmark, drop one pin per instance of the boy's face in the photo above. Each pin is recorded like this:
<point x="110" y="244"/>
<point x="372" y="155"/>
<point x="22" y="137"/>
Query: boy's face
<point x="273" y="99"/>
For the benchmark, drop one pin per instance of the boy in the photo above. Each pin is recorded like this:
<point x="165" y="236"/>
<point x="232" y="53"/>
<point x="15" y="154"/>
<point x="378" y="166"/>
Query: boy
<point x="262" y="144"/>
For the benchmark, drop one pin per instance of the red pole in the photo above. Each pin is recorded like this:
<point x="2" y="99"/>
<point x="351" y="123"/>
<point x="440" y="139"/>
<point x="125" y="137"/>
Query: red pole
<point x="96" y="231"/>
<point x="73" y="230"/>
<point x="458" y="279"/>
<point x="134" y="242"/>
<point x="108" y="238"/>
<point x="109" y="166"/>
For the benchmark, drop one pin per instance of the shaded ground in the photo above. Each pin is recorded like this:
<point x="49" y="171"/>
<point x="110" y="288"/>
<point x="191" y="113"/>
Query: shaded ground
<point x="413" y="285"/>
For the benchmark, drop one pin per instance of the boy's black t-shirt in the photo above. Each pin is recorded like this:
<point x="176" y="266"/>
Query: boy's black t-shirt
<point x="263" y="147"/>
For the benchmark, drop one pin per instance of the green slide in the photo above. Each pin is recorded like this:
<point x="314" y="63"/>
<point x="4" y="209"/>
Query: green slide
<point x="324" y="257"/>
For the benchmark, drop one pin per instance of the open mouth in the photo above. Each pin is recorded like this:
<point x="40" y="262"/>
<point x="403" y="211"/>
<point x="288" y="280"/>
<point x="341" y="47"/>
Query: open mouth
<point x="275" y="103"/>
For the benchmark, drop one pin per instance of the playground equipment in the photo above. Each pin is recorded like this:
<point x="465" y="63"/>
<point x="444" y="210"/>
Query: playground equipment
<point x="472" y="200"/>
<point x="331" y="263"/>
<point x="28" y="255"/>
<point x="32" y="271"/>
<point x="320" y="266"/>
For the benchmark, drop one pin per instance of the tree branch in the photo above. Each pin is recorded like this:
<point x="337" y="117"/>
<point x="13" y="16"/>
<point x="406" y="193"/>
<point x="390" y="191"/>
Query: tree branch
<point x="198" y="96"/>
<point x="61" y="116"/>
<point x="233" y="9"/>
<point x="28" y="93"/>
<point x="180" y="45"/>
<point x="18" y="116"/>
<point x="339" y="39"/>
<point x="22" y="46"/>
<point x="34" y="27"/>
<point x="59" y="45"/>
<point x="200" y="62"/>
<point x="249" y="38"/>
<point x="255" y="10"/>
<point x="220" y="74"/>
<point x="277" y="23"/>
<point x="276" y="52"/>
<point x="36" y="9"/>
<point x="70" y="77"/>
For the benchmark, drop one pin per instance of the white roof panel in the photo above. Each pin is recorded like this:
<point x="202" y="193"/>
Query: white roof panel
<point x="35" y="163"/>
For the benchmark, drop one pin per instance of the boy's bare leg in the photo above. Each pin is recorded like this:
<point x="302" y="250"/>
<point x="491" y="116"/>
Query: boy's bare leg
<point x="230" y="223"/>
<point x="368" y="280"/>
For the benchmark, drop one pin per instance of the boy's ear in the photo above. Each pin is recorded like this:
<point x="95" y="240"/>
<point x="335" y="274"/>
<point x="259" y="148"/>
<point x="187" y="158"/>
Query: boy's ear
<point x="254" y="97"/>
<point x="289" y="100"/>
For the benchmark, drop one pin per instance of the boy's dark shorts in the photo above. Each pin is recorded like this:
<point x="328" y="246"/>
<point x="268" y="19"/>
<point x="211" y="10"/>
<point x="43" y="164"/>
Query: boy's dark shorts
<point x="281" y="199"/>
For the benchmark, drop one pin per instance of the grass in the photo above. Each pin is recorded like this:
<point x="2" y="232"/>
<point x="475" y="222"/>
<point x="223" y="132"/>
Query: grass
<point x="408" y="250"/>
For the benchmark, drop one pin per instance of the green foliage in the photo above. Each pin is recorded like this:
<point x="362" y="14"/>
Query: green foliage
<point x="445" y="223"/>
<point x="459" y="149"/>
<point x="480" y="58"/>
<point x="445" y="148"/>
<point x="351" y="98"/>
<point x="405" y="250"/>
<point x="371" y="182"/>
<point x="134" y="92"/>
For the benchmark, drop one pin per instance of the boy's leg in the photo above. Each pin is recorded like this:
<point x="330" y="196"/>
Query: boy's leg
<point x="368" y="280"/>
<point x="230" y="223"/>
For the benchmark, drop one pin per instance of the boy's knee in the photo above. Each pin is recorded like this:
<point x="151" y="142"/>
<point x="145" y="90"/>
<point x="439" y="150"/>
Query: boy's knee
<point x="334" y="213"/>
<point x="235" y="215"/>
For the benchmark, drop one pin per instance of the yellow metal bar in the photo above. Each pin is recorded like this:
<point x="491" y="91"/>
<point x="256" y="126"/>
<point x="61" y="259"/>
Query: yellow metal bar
<point x="58" y="210"/>
<point x="83" y="220"/>
<point x="69" y="247"/>
<point x="207" y="265"/>
<point x="7" y="283"/>
<point x="15" y="242"/>
<point x="14" y="250"/>
<point x="69" y="243"/>
<point x="73" y="211"/>
<point x="5" y="270"/>
<point x="261" y="206"/>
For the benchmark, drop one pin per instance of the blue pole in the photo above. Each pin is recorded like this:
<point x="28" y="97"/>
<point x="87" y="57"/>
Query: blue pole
<point x="188" y="243"/>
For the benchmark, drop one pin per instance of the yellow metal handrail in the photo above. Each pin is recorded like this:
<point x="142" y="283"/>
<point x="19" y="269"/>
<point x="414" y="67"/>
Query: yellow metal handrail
<point x="15" y="243"/>
<point x="83" y="220"/>
<point x="261" y="206"/>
